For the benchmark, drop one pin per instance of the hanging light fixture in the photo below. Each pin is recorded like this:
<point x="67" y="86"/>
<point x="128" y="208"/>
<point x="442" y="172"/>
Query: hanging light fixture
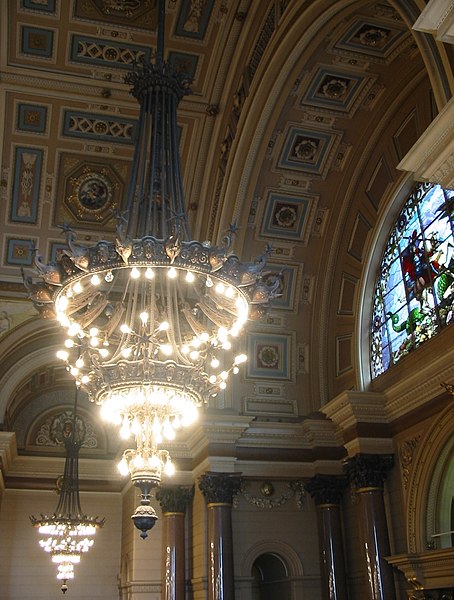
<point x="154" y="315"/>
<point x="68" y="532"/>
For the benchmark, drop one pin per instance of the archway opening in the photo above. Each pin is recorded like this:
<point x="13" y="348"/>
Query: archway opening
<point x="271" y="578"/>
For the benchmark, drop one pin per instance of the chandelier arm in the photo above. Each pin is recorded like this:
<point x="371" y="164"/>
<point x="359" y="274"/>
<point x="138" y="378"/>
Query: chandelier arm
<point x="132" y="194"/>
<point x="175" y="160"/>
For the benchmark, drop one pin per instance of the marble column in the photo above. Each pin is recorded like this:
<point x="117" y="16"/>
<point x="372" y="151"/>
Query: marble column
<point x="173" y="501"/>
<point x="219" y="490"/>
<point x="327" y="493"/>
<point x="367" y="473"/>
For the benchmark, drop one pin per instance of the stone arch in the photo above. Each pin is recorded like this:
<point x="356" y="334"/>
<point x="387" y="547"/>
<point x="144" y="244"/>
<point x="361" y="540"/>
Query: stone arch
<point x="284" y="551"/>
<point x="430" y="460"/>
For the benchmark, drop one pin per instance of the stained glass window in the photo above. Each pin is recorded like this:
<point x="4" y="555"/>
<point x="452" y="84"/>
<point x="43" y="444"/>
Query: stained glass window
<point x="414" y="292"/>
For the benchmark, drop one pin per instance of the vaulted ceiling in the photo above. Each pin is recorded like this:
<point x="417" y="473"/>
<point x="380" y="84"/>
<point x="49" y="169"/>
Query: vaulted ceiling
<point x="300" y="113"/>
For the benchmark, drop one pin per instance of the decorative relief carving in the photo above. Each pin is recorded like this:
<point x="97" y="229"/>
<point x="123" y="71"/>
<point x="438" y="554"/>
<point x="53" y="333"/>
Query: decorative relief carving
<point x="326" y="489"/>
<point x="267" y="501"/>
<point x="94" y="126"/>
<point x="95" y="51"/>
<point x="174" y="498"/>
<point x="368" y="470"/>
<point x="406" y="453"/>
<point x="307" y="289"/>
<point x="56" y="429"/>
<point x="321" y="218"/>
<point x="303" y="358"/>
<point x="341" y="156"/>
<point x="220" y="487"/>
<point x="441" y="594"/>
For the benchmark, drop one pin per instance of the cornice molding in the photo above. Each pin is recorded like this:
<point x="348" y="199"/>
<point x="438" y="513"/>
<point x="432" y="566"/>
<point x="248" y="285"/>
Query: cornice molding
<point x="431" y="158"/>
<point x="437" y="18"/>
<point x="403" y="390"/>
<point x="350" y="408"/>
<point x="428" y="570"/>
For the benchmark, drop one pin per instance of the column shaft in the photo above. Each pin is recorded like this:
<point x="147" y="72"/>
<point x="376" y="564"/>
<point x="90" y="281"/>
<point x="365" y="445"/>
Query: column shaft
<point x="173" y="557"/>
<point x="220" y="552"/>
<point x="367" y="473"/>
<point x="173" y="501"/>
<point x="334" y="586"/>
<point x="375" y="540"/>
<point x="219" y="490"/>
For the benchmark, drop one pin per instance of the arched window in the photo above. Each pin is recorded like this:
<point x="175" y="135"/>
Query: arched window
<point x="414" y="292"/>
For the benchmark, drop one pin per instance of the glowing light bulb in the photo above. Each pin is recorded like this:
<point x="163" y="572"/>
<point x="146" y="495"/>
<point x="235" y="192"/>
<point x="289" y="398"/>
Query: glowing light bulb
<point x="229" y="291"/>
<point x="235" y="370"/>
<point x="93" y="331"/>
<point x="222" y="333"/>
<point x="144" y="317"/>
<point x="215" y="363"/>
<point x="240" y="359"/>
<point x="126" y="352"/>
<point x="125" y="432"/>
<point x="190" y="277"/>
<point x="213" y="379"/>
<point x="78" y="287"/>
<point x="69" y="343"/>
<point x="194" y="355"/>
<point x="104" y="352"/>
<point x="62" y="303"/>
<point x="222" y="385"/>
<point x="149" y="273"/>
<point x="166" y="349"/>
<point x="80" y="362"/>
<point x="226" y="345"/>
<point x="224" y="375"/>
<point x="85" y="379"/>
<point x="135" y="273"/>
<point x="123" y="467"/>
<point x="169" y="469"/>
<point x="125" y="328"/>
<point x="172" y="273"/>
<point x="94" y="342"/>
<point x="95" y="280"/>
<point x="220" y="288"/>
<point x="62" y="355"/>
<point x="138" y="461"/>
<point x="164" y="326"/>
<point x="168" y="431"/>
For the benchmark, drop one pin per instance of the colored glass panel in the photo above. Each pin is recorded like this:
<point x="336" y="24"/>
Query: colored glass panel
<point x="414" y="291"/>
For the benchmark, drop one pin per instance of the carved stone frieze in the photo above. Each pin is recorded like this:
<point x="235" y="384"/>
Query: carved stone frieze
<point x="220" y="487"/>
<point x="174" y="498"/>
<point x="368" y="470"/>
<point x="268" y="500"/>
<point x="326" y="489"/>
<point x="443" y="594"/>
<point x="406" y="453"/>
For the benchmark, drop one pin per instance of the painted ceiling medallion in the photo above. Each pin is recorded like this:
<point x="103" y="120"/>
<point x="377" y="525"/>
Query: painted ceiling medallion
<point x="91" y="193"/>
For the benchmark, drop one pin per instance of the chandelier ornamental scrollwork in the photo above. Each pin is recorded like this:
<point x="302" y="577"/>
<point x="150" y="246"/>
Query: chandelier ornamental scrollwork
<point x="152" y="316"/>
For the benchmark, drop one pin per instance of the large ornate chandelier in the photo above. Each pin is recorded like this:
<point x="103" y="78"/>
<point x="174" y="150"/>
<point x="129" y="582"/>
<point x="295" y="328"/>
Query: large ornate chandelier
<point x="68" y="533"/>
<point x="152" y="316"/>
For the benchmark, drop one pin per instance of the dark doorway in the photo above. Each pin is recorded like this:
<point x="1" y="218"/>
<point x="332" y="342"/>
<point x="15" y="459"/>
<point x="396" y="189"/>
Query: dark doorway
<point x="271" y="578"/>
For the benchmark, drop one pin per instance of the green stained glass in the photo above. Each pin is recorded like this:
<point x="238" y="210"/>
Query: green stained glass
<point x="414" y="291"/>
